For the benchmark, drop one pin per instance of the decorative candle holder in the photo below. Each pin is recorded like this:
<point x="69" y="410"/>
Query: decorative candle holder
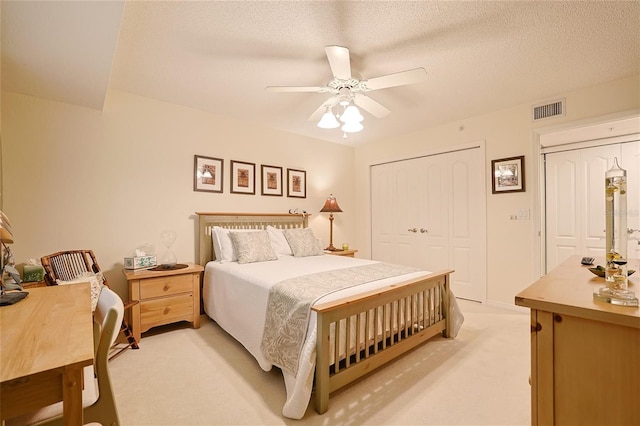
<point x="617" y="290"/>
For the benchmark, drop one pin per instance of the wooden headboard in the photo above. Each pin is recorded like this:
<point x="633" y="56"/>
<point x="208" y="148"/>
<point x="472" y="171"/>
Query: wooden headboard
<point x="206" y="221"/>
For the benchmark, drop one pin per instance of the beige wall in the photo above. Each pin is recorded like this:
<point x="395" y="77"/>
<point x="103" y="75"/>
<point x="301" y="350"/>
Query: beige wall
<point x="113" y="180"/>
<point x="512" y="245"/>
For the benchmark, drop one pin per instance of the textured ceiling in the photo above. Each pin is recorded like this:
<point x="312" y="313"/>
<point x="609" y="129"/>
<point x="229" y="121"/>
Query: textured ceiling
<point x="219" y="56"/>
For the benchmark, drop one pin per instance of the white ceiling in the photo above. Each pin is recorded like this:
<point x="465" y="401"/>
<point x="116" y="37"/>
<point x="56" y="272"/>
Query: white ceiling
<point x="219" y="56"/>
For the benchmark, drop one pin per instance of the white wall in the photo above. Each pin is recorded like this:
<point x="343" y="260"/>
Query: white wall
<point x="511" y="244"/>
<point x="110" y="181"/>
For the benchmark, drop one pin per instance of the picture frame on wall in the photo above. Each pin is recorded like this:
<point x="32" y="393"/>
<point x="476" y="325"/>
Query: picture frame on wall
<point x="207" y="173"/>
<point x="243" y="177"/>
<point x="296" y="183"/>
<point x="508" y="175"/>
<point x="271" y="180"/>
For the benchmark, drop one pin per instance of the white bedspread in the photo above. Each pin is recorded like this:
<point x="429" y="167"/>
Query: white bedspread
<point x="236" y="296"/>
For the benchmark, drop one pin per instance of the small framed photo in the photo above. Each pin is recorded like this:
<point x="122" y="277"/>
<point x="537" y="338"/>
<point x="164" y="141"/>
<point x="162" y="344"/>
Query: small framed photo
<point x="207" y="173"/>
<point x="271" y="180"/>
<point x="508" y="175"/>
<point x="296" y="183"/>
<point x="243" y="177"/>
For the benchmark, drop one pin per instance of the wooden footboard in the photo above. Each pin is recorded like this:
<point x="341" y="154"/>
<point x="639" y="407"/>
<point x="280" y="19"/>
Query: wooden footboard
<point x="358" y="334"/>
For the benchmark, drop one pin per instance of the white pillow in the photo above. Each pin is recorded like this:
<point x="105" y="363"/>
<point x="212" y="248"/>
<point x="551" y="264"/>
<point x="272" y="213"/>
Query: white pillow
<point x="222" y="245"/>
<point x="302" y="242"/>
<point x="278" y="241"/>
<point x="96" y="281"/>
<point x="252" y="246"/>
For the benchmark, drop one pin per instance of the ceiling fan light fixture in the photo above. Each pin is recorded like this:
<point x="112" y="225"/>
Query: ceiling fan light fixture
<point x="351" y="115"/>
<point x="352" y="127"/>
<point x="328" y="120"/>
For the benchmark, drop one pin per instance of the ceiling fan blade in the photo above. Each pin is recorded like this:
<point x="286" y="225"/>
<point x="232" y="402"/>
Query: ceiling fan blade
<point x="398" y="79"/>
<point x="339" y="61"/>
<point x="375" y="108"/>
<point x="315" y="116"/>
<point x="319" y="89"/>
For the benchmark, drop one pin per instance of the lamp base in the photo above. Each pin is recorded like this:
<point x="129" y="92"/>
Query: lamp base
<point x="332" y="248"/>
<point x="616" y="297"/>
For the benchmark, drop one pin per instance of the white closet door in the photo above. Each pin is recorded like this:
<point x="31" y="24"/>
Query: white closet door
<point x="429" y="212"/>
<point x="574" y="185"/>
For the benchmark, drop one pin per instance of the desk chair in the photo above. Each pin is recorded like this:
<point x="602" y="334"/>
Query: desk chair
<point x="67" y="266"/>
<point x="108" y="314"/>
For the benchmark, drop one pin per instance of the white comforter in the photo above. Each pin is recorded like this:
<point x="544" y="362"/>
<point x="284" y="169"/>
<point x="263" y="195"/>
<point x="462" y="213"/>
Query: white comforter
<point x="236" y="295"/>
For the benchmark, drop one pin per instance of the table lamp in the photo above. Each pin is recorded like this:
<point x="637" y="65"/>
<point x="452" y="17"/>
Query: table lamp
<point x="331" y="206"/>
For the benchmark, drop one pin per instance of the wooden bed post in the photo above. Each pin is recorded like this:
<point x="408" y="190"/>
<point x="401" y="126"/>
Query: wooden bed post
<point x="322" y="364"/>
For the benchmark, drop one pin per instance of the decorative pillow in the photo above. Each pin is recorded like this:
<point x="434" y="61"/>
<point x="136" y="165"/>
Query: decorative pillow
<point x="302" y="242"/>
<point x="96" y="281"/>
<point x="222" y="245"/>
<point x="252" y="246"/>
<point x="278" y="241"/>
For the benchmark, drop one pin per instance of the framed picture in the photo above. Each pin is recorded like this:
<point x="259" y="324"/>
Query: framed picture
<point x="243" y="177"/>
<point x="271" y="180"/>
<point x="296" y="183"/>
<point x="508" y="175"/>
<point x="207" y="173"/>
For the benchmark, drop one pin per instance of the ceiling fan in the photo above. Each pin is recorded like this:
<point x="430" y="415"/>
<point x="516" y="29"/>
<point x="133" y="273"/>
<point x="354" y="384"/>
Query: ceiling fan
<point x="346" y="90"/>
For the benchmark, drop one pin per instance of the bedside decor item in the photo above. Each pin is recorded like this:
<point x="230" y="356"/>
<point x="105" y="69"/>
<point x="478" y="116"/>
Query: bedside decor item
<point x="508" y="175"/>
<point x="331" y="206"/>
<point x="7" y="265"/>
<point x="207" y="173"/>
<point x="243" y="177"/>
<point x="168" y="259"/>
<point x="140" y="261"/>
<point x="617" y="290"/>
<point x="296" y="183"/>
<point x="32" y="271"/>
<point x="271" y="180"/>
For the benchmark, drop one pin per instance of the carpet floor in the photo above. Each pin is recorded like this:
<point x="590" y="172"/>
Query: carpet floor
<point x="183" y="376"/>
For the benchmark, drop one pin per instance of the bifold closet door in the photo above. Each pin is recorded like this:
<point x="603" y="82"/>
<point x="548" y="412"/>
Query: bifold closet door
<point x="429" y="212"/>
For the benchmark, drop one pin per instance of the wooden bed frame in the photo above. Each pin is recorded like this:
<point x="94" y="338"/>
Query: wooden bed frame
<point x="418" y="309"/>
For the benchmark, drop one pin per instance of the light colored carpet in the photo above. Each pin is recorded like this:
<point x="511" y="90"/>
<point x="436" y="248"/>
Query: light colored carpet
<point x="182" y="376"/>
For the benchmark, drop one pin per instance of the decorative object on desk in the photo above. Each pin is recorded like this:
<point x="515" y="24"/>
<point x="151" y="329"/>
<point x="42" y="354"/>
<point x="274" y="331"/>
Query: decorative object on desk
<point x="617" y="290"/>
<point x="271" y="180"/>
<point x="168" y="259"/>
<point x="599" y="271"/>
<point x="508" y="175"/>
<point x="32" y="271"/>
<point x="243" y="177"/>
<point x="296" y="183"/>
<point x="8" y="297"/>
<point x="331" y="206"/>
<point x="207" y="174"/>
<point x="173" y="267"/>
<point x="345" y="246"/>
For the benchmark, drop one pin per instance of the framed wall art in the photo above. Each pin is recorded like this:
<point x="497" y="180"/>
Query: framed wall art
<point x="296" y="183"/>
<point x="243" y="177"/>
<point x="207" y="173"/>
<point x="508" y="175"/>
<point x="271" y="180"/>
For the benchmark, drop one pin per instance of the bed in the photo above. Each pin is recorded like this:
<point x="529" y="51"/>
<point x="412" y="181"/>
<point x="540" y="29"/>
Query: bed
<point x="384" y="311"/>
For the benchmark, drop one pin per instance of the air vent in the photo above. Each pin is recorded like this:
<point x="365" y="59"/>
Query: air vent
<point x="548" y="110"/>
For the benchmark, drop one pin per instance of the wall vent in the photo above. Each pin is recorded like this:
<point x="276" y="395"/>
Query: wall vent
<point x="548" y="110"/>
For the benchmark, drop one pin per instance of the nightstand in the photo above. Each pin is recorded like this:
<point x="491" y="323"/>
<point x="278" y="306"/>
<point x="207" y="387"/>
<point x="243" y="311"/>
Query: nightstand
<point x="348" y="253"/>
<point x="165" y="297"/>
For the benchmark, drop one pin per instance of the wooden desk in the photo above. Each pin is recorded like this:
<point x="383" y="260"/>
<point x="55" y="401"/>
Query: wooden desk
<point x="585" y="354"/>
<point x="47" y="339"/>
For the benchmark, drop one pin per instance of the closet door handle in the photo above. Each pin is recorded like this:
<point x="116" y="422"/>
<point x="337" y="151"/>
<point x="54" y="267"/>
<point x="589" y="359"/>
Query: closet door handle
<point x="412" y="229"/>
<point x="423" y="231"/>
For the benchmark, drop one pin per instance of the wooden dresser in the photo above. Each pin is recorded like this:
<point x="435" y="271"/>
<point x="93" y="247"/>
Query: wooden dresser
<point x="165" y="297"/>
<point x="585" y="354"/>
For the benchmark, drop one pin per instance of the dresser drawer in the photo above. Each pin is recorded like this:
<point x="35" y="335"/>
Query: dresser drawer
<point x="165" y="310"/>
<point x="163" y="286"/>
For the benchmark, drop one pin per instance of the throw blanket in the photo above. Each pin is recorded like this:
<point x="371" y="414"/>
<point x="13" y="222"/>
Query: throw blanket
<point x="290" y="301"/>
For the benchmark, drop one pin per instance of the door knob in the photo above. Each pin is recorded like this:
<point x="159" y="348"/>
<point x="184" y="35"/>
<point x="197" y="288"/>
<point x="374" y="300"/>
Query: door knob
<point x="423" y="231"/>
<point x="412" y="230"/>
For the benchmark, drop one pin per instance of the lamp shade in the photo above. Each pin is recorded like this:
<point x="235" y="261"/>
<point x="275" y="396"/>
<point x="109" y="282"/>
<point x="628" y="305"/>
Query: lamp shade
<point x="6" y="236"/>
<point x="331" y="205"/>
<point x="352" y="127"/>
<point x="351" y="114"/>
<point x="328" y="120"/>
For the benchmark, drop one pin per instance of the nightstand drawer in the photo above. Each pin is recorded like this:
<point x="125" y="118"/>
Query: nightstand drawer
<point x="165" y="311"/>
<point x="163" y="286"/>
